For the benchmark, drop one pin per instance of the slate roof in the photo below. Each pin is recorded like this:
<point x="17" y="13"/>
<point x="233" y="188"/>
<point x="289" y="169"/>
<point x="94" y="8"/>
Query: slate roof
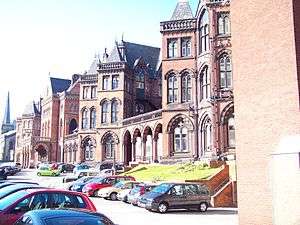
<point x="31" y="109"/>
<point x="182" y="11"/>
<point x="94" y="67"/>
<point x="59" y="85"/>
<point x="134" y="52"/>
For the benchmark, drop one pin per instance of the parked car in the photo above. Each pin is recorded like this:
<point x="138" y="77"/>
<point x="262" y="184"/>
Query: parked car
<point x="5" y="191"/>
<point x="79" y="184"/>
<point x="66" y="168"/>
<point x="177" y="196"/>
<point x="47" y="171"/>
<point x="91" y="189"/>
<point x="63" y="217"/>
<point x="139" y="190"/>
<point x="112" y="192"/>
<point x="123" y="195"/>
<point x="119" y="167"/>
<point x="79" y="174"/>
<point x="13" y="206"/>
<point x="80" y="167"/>
<point x="3" y="174"/>
<point x="10" y="170"/>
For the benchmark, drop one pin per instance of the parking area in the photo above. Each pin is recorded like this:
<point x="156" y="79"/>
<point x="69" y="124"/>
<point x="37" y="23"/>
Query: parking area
<point x="126" y="214"/>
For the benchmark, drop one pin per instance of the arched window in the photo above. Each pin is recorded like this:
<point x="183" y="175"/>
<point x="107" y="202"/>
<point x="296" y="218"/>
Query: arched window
<point x="104" y="112"/>
<point x="180" y="139"/>
<point x="204" y="84"/>
<point x="114" y="111"/>
<point x="186" y="88"/>
<point x="72" y="126"/>
<point x="110" y="147"/>
<point x="186" y="47"/>
<point x="204" y="32"/>
<point x="231" y="132"/>
<point x="223" y="24"/>
<point x="93" y="118"/>
<point x="89" y="150"/>
<point x="225" y="71"/>
<point x="172" y="48"/>
<point x="85" y="119"/>
<point x="206" y="136"/>
<point x="172" y="89"/>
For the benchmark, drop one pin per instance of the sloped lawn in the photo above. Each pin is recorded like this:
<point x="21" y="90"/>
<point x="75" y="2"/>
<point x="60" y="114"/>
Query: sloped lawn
<point x="179" y="172"/>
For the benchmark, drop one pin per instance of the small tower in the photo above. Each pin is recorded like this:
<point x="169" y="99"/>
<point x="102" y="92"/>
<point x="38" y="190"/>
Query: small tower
<point x="6" y="124"/>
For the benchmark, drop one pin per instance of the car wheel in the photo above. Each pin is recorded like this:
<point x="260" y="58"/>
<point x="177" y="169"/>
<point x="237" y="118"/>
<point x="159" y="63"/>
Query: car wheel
<point x="203" y="207"/>
<point x="113" y="196"/>
<point x="39" y="174"/>
<point x="53" y="174"/>
<point x="163" y="207"/>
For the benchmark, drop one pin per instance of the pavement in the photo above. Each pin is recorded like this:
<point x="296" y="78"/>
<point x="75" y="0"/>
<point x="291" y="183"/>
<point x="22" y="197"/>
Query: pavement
<point x="126" y="214"/>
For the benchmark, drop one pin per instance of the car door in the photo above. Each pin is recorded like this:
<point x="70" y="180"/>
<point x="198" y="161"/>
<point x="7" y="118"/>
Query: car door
<point x="33" y="202"/>
<point x="193" y="195"/>
<point x="176" y="197"/>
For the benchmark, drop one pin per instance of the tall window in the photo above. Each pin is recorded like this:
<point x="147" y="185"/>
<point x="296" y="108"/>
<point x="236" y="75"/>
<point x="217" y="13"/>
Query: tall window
<point x="225" y="71"/>
<point x="94" y="92"/>
<point x="89" y="152"/>
<point x="205" y="84"/>
<point x="105" y="83"/>
<point x="186" y="91"/>
<point x="114" y="111"/>
<point x="206" y="136"/>
<point x="231" y="133"/>
<point x="104" y="112"/>
<point x="204" y="32"/>
<point x="223" y="24"/>
<point x="172" y="48"/>
<point x="140" y="81"/>
<point x="109" y="147"/>
<point x="172" y="89"/>
<point x="181" y="139"/>
<point x="93" y="118"/>
<point x="186" y="47"/>
<point x="85" y="119"/>
<point x="115" y="82"/>
<point x="85" y="92"/>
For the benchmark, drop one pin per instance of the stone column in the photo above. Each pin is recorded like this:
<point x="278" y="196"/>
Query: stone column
<point x="144" y="149"/>
<point x="133" y="151"/>
<point x="154" y="150"/>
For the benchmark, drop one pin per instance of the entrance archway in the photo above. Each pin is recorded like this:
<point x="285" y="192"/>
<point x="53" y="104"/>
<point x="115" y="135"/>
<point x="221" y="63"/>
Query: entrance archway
<point x="42" y="153"/>
<point x="127" y="148"/>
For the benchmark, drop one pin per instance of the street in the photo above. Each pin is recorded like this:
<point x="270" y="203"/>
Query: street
<point x="125" y="214"/>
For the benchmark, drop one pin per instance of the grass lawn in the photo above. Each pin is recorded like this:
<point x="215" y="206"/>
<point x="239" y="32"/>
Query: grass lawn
<point x="179" y="172"/>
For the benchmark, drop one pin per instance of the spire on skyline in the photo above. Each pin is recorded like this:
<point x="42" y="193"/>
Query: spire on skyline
<point x="6" y="118"/>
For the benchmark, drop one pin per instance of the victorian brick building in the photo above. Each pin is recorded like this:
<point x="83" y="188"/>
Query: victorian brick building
<point x="139" y="103"/>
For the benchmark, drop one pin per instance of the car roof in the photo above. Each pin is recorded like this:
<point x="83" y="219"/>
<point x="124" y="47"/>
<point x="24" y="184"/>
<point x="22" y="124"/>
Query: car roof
<point x="53" y="213"/>
<point x="51" y="190"/>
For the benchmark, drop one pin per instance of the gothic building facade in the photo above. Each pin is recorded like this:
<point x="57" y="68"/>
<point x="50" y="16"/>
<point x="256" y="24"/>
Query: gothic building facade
<point x="145" y="104"/>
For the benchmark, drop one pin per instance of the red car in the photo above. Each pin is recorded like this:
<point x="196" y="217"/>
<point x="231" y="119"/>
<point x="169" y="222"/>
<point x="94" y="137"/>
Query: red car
<point x="13" y="206"/>
<point x="90" y="189"/>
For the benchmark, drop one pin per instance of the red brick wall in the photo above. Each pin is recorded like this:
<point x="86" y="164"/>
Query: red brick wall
<point x="266" y="98"/>
<point x="225" y="197"/>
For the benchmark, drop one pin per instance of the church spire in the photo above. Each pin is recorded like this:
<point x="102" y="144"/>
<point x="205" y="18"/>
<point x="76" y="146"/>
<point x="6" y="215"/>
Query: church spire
<point x="6" y="118"/>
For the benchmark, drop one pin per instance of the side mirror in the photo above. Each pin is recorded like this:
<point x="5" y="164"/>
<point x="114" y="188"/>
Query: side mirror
<point x="19" y="209"/>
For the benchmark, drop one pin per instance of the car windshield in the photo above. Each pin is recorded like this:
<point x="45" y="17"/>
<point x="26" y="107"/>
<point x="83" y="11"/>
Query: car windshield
<point x="77" y="221"/>
<point x="136" y="190"/>
<point x="12" y="188"/>
<point x="96" y="180"/>
<point x="84" y="179"/>
<point x="12" y="198"/>
<point x="163" y="188"/>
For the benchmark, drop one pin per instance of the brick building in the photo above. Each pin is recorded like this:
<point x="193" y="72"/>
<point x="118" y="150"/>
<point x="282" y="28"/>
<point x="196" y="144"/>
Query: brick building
<point x="145" y="104"/>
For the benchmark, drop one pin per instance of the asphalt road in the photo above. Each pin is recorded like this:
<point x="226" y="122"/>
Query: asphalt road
<point x="125" y="214"/>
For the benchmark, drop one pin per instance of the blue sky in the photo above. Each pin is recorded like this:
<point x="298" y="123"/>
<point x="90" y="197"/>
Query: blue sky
<point x="61" y="37"/>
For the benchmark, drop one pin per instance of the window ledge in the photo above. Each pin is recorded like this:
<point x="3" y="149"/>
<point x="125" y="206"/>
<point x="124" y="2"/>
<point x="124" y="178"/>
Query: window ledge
<point x="179" y="58"/>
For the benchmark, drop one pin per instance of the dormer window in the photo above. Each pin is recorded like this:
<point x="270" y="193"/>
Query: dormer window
<point x="172" y="48"/>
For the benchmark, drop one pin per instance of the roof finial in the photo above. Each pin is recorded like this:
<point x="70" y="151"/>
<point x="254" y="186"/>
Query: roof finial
<point x="122" y="36"/>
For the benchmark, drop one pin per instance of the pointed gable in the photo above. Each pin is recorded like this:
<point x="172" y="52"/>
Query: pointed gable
<point x="182" y="11"/>
<point x="59" y="85"/>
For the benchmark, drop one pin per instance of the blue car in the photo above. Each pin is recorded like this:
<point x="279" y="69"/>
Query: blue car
<point x="78" y="185"/>
<point x="62" y="217"/>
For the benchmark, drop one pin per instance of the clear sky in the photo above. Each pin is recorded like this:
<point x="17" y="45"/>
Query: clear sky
<point x="61" y="37"/>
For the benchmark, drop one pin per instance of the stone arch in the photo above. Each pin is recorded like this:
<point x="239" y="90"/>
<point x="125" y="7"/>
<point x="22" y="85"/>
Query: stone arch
<point x="171" y="72"/>
<point x="88" y="146"/>
<point x="157" y="148"/>
<point x="205" y="133"/>
<point x="109" y="142"/>
<point x="73" y="126"/>
<point x="128" y="153"/>
<point x="227" y="126"/>
<point x="188" y="71"/>
<point x="224" y="52"/>
<point x="177" y="118"/>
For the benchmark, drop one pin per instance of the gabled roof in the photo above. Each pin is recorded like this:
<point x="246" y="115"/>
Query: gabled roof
<point x="94" y="67"/>
<point x="182" y="11"/>
<point x="31" y="109"/>
<point x="134" y="52"/>
<point x="59" y="85"/>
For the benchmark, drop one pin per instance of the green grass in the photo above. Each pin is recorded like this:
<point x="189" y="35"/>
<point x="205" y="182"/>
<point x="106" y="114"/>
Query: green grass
<point x="179" y="172"/>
